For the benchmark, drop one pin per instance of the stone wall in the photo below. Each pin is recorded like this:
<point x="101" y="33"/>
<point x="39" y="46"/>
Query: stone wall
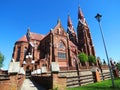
<point x="74" y="79"/>
<point x="63" y="79"/>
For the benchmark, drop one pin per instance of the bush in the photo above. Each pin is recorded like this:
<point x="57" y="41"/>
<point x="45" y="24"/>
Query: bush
<point x="83" y="57"/>
<point x="92" y="59"/>
<point x="1" y="59"/>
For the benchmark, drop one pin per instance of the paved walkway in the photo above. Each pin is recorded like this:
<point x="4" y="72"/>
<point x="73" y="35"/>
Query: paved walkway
<point x="29" y="85"/>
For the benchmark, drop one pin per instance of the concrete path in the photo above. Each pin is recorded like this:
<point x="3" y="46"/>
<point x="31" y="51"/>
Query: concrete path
<point x="29" y="85"/>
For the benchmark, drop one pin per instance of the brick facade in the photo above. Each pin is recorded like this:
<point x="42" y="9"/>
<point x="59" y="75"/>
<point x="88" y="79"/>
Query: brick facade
<point x="34" y="51"/>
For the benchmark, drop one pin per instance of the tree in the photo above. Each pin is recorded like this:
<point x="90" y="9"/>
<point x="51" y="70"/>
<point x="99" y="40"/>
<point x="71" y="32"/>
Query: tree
<point x="92" y="59"/>
<point x="1" y="59"/>
<point x="83" y="57"/>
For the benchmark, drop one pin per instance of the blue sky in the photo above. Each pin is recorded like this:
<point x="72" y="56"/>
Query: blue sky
<point x="42" y="15"/>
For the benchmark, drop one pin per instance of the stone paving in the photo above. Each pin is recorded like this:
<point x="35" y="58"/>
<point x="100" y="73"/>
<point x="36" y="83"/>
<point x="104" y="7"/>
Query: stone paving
<point x="29" y="85"/>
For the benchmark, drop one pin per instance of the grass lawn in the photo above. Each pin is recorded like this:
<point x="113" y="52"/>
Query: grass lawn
<point x="103" y="85"/>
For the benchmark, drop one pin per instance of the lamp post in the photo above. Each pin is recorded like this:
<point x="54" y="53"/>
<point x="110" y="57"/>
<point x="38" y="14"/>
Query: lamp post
<point x="98" y="18"/>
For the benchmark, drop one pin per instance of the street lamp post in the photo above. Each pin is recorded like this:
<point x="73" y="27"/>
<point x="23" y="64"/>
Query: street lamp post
<point x="98" y="17"/>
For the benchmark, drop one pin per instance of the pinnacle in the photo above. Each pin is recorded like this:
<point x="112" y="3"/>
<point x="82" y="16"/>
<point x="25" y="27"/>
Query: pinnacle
<point x="69" y="21"/>
<point x="80" y="14"/>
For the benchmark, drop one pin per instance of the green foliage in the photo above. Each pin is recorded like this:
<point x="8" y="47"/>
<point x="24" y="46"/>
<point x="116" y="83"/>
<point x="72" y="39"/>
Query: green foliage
<point x="1" y="60"/>
<point x="83" y="57"/>
<point x="103" y="85"/>
<point x="92" y="59"/>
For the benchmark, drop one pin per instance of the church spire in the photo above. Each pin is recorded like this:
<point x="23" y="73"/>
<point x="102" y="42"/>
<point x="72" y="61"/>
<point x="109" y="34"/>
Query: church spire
<point x="80" y="14"/>
<point x="84" y="37"/>
<point x="58" y="21"/>
<point x="28" y="34"/>
<point x="81" y="18"/>
<point x="69" y="23"/>
<point x="70" y="30"/>
<point x="70" y="26"/>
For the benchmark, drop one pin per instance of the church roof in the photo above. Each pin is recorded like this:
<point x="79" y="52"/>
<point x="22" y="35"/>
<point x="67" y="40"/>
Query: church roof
<point x="22" y="39"/>
<point x="34" y="36"/>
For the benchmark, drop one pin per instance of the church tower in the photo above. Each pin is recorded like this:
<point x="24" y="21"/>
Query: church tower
<point x="70" y="31"/>
<point x="84" y="37"/>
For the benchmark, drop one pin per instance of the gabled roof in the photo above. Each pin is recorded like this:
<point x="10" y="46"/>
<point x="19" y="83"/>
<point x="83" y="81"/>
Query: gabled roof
<point x="23" y="39"/>
<point x="58" y="29"/>
<point x="34" y="36"/>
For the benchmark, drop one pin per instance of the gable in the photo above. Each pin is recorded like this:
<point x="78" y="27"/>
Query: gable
<point x="59" y="30"/>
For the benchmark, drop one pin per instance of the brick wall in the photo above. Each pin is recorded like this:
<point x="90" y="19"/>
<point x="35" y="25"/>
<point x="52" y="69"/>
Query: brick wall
<point x="72" y="78"/>
<point x="20" y="80"/>
<point x="11" y="82"/>
<point x="5" y="85"/>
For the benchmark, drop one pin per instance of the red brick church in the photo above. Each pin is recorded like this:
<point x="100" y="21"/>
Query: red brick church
<point x="35" y="51"/>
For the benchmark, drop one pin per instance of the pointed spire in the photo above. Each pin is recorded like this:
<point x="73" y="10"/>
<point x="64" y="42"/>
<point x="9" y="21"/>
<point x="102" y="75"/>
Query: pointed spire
<point x="80" y="14"/>
<point x="70" y="26"/>
<point x="28" y="30"/>
<point x="28" y="34"/>
<point x="69" y="23"/>
<point x="58" y="21"/>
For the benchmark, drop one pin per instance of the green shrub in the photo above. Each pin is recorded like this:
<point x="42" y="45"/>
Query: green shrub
<point x="1" y="59"/>
<point x="83" y="57"/>
<point x="92" y="59"/>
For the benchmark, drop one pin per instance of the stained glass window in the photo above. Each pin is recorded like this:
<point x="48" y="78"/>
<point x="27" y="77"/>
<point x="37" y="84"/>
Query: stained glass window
<point x="61" y="45"/>
<point x="61" y="55"/>
<point x="61" y="50"/>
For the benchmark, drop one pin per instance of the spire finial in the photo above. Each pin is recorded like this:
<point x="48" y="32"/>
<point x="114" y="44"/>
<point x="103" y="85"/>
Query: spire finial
<point x="28" y="33"/>
<point x="80" y="14"/>
<point x="58" y="21"/>
<point x="28" y="30"/>
<point x="69" y="23"/>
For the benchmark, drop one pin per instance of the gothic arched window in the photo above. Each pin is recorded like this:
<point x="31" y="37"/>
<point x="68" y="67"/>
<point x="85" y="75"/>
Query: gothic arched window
<point x="61" y="51"/>
<point x="61" y="46"/>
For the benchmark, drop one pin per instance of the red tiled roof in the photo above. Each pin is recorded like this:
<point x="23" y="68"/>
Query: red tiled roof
<point x="34" y="36"/>
<point x="23" y="39"/>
